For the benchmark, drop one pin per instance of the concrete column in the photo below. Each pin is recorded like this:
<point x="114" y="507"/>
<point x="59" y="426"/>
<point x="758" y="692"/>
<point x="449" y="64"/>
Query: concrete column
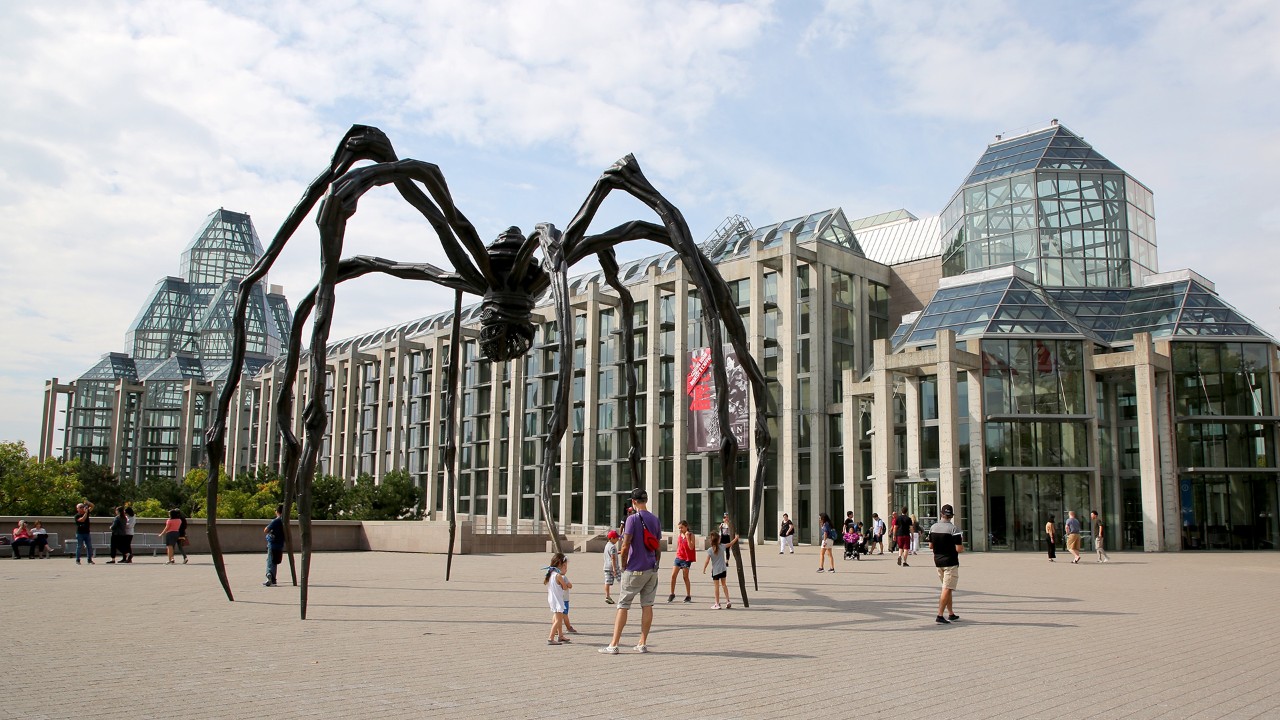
<point x="1096" y="501"/>
<point x="591" y="401"/>
<point x="911" y="393"/>
<point x="1144" y="373"/>
<point x="49" y="419"/>
<point x="882" y="459"/>
<point x="1172" y="540"/>
<point x="849" y="427"/>
<point x="819" y="386"/>
<point x="978" y="522"/>
<point x="948" y="412"/>
<point x="788" y="331"/>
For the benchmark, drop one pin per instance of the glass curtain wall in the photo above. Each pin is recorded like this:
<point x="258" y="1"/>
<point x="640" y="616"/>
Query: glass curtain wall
<point x="1037" y="437"/>
<point x="1226" y="458"/>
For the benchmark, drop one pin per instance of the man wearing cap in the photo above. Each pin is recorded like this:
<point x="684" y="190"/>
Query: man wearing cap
<point x="947" y="543"/>
<point x="640" y="570"/>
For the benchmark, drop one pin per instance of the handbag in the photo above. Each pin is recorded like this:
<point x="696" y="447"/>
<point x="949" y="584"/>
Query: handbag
<point x="184" y="541"/>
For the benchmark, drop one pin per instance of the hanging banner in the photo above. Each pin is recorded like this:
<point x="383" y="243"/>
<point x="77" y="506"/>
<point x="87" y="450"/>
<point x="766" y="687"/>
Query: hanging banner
<point x="700" y="386"/>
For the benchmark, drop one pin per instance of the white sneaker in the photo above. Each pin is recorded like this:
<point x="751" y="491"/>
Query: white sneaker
<point x="609" y="650"/>
<point x="642" y="648"/>
<point x="716" y="606"/>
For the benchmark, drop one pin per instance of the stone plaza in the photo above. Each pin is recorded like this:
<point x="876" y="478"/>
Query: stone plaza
<point x="1176" y="635"/>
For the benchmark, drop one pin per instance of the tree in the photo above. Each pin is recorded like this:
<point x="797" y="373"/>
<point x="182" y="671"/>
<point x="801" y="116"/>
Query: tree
<point x="167" y="492"/>
<point x="397" y="498"/>
<point x="33" y="487"/>
<point x="328" y="497"/>
<point x="100" y="484"/>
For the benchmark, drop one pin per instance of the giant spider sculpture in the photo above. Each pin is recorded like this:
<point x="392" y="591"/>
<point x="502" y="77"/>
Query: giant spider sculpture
<point x="508" y="277"/>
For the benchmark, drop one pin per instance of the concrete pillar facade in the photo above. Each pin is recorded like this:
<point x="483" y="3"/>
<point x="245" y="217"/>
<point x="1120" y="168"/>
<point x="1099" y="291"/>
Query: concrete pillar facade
<point x="948" y="412"/>
<point x="1144" y="373"/>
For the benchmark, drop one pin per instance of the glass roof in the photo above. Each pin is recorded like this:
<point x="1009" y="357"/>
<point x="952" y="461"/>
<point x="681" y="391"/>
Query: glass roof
<point x="1109" y="316"/>
<point x="1055" y="147"/>
<point x="829" y="226"/>
<point x="112" y="366"/>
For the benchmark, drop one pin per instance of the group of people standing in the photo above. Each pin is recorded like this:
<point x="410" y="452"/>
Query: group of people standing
<point x="1073" y="530"/>
<point x="124" y="520"/>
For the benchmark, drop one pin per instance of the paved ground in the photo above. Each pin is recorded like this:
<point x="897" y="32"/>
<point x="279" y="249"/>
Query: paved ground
<point x="1146" y="636"/>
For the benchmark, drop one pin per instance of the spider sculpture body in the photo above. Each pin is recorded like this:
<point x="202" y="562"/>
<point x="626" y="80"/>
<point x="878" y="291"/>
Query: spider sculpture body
<point x="509" y="277"/>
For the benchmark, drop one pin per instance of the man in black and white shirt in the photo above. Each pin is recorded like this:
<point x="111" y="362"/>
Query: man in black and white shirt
<point x="947" y="542"/>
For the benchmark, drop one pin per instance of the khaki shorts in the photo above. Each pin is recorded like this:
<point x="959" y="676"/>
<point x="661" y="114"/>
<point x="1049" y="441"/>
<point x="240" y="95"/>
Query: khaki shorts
<point x="644" y="584"/>
<point x="950" y="576"/>
<point x="1073" y="542"/>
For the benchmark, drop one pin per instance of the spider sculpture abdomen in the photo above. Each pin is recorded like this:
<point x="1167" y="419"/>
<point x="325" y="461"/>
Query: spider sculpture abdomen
<point x="506" y="325"/>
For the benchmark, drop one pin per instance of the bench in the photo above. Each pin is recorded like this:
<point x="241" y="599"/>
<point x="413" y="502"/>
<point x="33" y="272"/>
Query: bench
<point x="101" y="542"/>
<point x="7" y="548"/>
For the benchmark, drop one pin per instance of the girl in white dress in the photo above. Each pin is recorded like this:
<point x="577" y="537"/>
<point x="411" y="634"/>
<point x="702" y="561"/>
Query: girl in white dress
<point x="558" y="586"/>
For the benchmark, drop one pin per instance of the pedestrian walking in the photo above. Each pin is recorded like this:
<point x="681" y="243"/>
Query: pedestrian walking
<point x="1050" y="539"/>
<point x="170" y="533"/>
<point x="640" y="552"/>
<point x="725" y="533"/>
<point x="877" y="534"/>
<point x="787" y="535"/>
<point x="902" y="535"/>
<point x="1097" y="537"/>
<point x="558" y="587"/>
<point x="1073" y="537"/>
<point x="915" y="535"/>
<point x="947" y="543"/>
<point x="828" y="533"/>
<point x="182" y="535"/>
<point x="130" y="522"/>
<point x="719" y="570"/>
<point x="118" y="523"/>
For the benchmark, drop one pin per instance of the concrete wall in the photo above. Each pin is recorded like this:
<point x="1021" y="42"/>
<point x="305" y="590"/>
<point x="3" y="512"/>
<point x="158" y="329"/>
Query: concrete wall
<point x="911" y="285"/>
<point x="327" y="535"/>
<point x="235" y="535"/>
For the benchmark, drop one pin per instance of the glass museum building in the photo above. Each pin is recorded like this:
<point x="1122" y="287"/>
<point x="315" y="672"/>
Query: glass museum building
<point x="143" y="412"/>
<point x="1019" y="355"/>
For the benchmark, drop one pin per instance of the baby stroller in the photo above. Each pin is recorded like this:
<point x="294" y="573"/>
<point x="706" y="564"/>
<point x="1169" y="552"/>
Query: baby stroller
<point x="854" y="546"/>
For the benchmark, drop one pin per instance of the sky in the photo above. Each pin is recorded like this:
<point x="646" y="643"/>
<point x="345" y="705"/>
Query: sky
<point x="125" y="124"/>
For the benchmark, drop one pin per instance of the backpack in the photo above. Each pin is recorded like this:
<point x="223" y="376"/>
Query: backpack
<point x="831" y="533"/>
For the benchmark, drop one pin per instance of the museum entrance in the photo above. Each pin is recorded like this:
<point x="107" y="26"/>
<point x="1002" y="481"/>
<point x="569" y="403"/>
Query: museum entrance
<point x="1229" y="512"/>
<point x="1019" y="504"/>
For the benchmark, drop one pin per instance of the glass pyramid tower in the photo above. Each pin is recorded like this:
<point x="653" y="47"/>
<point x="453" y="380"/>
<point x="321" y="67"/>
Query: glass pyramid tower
<point x="1048" y="203"/>
<point x="137" y="411"/>
<point x="192" y="313"/>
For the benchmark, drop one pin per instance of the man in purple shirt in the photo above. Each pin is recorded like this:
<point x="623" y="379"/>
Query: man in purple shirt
<point x="640" y="569"/>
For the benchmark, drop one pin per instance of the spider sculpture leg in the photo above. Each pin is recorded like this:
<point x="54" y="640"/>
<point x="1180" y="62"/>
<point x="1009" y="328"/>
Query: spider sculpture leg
<point x="334" y="212"/>
<point x="450" y="420"/>
<point x="348" y="269"/>
<point x="553" y="251"/>
<point x="360" y="143"/>
<point x="718" y="307"/>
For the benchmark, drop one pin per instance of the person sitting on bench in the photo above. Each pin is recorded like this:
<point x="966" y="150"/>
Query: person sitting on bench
<point x="22" y="538"/>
